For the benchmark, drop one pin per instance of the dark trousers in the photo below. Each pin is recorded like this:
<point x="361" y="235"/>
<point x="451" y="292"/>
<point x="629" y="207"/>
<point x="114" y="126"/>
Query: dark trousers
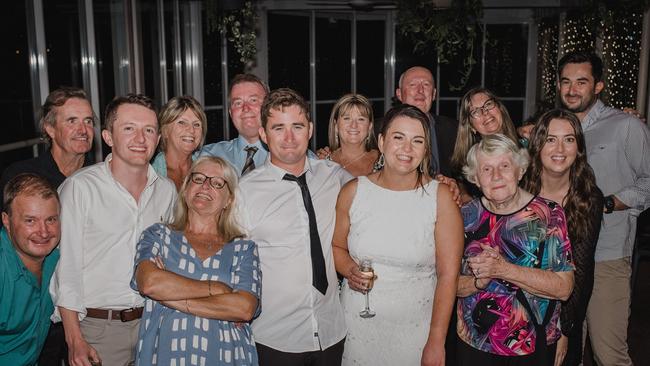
<point x="331" y="356"/>
<point x="55" y="350"/>
<point x="467" y="355"/>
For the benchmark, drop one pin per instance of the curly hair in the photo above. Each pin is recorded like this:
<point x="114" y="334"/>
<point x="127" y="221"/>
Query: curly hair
<point x="582" y="181"/>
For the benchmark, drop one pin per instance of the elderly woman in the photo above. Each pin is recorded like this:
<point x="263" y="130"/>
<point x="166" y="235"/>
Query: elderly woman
<point x="410" y="227"/>
<point x="183" y="127"/>
<point x="200" y="279"/>
<point x="517" y="263"/>
<point x="559" y="172"/>
<point x="481" y="114"/>
<point x="351" y="135"/>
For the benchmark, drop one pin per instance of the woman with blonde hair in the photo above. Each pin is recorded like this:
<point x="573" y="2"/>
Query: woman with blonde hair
<point x="201" y="279"/>
<point x="183" y="126"/>
<point x="351" y="135"/>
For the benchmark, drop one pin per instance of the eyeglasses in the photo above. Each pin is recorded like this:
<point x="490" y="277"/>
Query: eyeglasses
<point x="200" y="178"/>
<point x="487" y="106"/>
<point x="253" y="101"/>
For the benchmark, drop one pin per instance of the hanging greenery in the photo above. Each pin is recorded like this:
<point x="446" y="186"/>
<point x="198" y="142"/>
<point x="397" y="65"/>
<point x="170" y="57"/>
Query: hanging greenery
<point x="237" y="22"/>
<point x="452" y="31"/>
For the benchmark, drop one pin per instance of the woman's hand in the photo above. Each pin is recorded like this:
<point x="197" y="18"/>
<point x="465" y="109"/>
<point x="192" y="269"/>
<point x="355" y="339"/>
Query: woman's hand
<point x="561" y="350"/>
<point x="488" y="264"/>
<point x="433" y="354"/>
<point x="358" y="281"/>
<point x="453" y="188"/>
<point x="323" y="153"/>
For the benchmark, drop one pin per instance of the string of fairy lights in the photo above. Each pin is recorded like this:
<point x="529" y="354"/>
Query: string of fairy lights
<point x="615" y="35"/>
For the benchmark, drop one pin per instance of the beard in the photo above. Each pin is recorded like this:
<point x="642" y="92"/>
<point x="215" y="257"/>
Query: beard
<point x="585" y="103"/>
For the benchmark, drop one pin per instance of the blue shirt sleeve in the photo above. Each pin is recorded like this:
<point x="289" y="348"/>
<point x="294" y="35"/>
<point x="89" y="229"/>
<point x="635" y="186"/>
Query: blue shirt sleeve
<point x="247" y="274"/>
<point x="149" y="247"/>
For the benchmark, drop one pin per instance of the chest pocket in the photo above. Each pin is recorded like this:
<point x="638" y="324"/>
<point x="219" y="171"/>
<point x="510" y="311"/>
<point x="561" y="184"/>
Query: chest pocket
<point x="602" y="157"/>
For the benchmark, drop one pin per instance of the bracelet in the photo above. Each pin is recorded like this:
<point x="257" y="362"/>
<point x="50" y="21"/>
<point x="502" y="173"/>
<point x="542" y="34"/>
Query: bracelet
<point x="476" y="284"/>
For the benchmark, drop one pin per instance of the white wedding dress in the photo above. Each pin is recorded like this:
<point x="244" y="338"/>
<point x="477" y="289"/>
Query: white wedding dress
<point x="395" y="229"/>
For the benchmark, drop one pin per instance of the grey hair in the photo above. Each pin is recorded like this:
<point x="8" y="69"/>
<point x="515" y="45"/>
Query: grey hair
<point x="492" y="145"/>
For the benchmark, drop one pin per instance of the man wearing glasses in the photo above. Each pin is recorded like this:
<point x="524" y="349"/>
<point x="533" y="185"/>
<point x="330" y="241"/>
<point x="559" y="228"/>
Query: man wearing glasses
<point x="246" y="151"/>
<point x="104" y="209"/>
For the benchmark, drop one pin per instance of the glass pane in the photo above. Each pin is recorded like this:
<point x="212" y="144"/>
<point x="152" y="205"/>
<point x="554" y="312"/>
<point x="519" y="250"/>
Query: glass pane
<point x="104" y="46"/>
<point x="370" y="58"/>
<point x="289" y="52"/>
<point x="505" y="59"/>
<point x="235" y="66"/>
<point x="516" y="111"/>
<point x="16" y="97"/>
<point x="170" y="50"/>
<point x="406" y="56"/>
<point x="212" y="66"/>
<point x="322" y="116"/>
<point x="333" y="55"/>
<point x="151" y="51"/>
<point x="63" y="43"/>
<point x="449" y="108"/>
<point x="451" y="73"/>
<point x="215" y="125"/>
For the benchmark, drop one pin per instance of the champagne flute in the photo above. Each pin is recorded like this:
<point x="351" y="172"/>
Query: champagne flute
<point x="365" y="267"/>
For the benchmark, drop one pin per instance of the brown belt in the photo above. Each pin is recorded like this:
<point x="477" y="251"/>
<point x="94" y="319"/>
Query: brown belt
<point x="125" y="315"/>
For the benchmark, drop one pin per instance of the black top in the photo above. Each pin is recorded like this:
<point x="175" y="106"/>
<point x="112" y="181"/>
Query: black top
<point x="575" y="308"/>
<point x="446" y="130"/>
<point x="43" y="165"/>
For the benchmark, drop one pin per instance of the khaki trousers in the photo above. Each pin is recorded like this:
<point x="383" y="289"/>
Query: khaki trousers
<point x="609" y="311"/>
<point x="114" y="340"/>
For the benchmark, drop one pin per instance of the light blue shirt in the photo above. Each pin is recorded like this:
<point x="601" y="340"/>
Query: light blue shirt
<point x="233" y="152"/>
<point x="159" y="163"/>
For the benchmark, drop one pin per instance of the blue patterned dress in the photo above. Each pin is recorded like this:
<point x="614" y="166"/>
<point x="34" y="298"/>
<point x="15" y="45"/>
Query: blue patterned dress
<point x="170" y="337"/>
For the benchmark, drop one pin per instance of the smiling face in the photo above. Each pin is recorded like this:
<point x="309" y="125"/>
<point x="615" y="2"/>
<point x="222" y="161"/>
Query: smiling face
<point x="560" y="148"/>
<point x="487" y="122"/>
<point x="205" y="199"/>
<point x="497" y="176"/>
<point x="578" y="89"/>
<point x="245" y="103"/>
<point x="72" y="133"/>
<point x="404" y="145"/>
<point x="353" y="127"/>
<point x="184" y="134"/>
<point x="417" y="88"/>
<point x="33" y="226"/>
<point x="134" y="135"/>
<point x="287" y="134"/>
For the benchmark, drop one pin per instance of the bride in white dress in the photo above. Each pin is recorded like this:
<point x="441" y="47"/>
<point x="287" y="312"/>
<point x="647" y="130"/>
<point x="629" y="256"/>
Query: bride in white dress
<point x="411" y="228"/>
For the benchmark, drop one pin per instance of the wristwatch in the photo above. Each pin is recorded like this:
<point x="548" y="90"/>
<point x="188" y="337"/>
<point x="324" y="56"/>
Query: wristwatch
<point x="609" y="204"/>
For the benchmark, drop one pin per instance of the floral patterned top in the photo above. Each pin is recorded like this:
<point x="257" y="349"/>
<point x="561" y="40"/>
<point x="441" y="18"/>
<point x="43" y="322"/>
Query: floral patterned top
<point x="493" y="320"/>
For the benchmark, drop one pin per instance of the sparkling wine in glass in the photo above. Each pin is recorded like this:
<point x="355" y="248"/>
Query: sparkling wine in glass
<point x="365" y="267"/>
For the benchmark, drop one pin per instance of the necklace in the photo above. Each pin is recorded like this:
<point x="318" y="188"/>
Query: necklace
<point x="352" y="160"/>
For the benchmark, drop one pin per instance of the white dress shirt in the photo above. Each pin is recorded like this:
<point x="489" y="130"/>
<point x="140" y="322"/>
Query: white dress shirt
<point x="295" y="316"/>
<point x="101" y="224"/>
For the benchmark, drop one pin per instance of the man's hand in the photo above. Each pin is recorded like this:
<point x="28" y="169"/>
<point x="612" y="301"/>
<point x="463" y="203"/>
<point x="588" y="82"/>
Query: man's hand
<point x="80" y="353"/>
<point x="634" y="112"/>
<point x="323" y="153"/>
<point x="561" y="350"/>
<point x="524" y="131"/>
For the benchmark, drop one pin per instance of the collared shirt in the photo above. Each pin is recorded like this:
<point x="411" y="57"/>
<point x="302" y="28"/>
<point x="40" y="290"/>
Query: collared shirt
<point x="43" y="165"/>
<point x="233" y="152"/>
<point x="296" y="317"/>
<point x="159" y="163"/>
<point x="25" y="306"/>
<point x="617" y="150"/>
<point x="101" y="223"/>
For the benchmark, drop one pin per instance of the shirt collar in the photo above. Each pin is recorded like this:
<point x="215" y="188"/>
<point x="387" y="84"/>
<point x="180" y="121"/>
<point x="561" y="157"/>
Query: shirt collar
<point x="241" y="143"/>
<point x="593" y="114"/>
<point x="152" y="176"/>
<point x="278" y="173"/>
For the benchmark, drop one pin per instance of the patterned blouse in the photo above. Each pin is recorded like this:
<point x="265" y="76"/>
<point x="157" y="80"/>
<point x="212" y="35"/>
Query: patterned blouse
<point x="171" y="337"/>
<point x="493" y="320"/>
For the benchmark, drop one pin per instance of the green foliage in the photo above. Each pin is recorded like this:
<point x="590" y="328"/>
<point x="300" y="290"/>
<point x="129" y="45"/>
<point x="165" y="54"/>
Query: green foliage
<point x="238" y="25"/>
<point x="451" y="31"/>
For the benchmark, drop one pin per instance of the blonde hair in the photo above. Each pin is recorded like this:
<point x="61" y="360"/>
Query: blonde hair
<point x="173" y="110"/>
<point x="465" y="138"/>
<point x="227" y="226"/>
<point x="343" y="106"/>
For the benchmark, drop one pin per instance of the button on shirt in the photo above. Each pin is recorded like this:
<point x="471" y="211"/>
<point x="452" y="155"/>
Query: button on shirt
<point x="617" y="150"/>
<point x="101" y="223"/>
<point x="296" y="317"/>
<point x="25" y="306"/>
<point x="233" y="152"/>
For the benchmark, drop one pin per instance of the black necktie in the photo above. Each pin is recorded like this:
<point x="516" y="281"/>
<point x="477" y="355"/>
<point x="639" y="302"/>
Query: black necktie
<point x="319" y="276"/>
<point x="250" y="163"/>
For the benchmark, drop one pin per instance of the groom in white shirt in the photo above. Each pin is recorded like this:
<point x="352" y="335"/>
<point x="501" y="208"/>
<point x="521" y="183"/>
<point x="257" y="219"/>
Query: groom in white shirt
<point x="289" y="211"/>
